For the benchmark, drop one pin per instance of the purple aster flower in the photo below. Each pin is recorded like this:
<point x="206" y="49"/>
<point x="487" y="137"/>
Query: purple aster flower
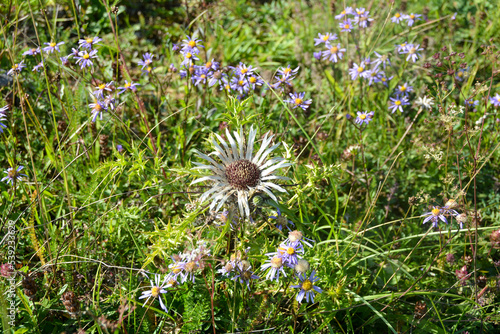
<point x="52" y="46"/>
<point x="189" y="57"/>
<point x="397" y="18"/>
<point x="212" y="65"/>
<point x="175" y="47"/>
<point x="85" y="58"/>
<point x="88" y="42"/>
<point x="157" y="289"/>
<point x="216" y="77"/>
<point x="240" y="84"/>
<point x="244" y="273"/>
<point x="385" y="80"/>
<point x="32" y="52"/>
<point x="317" y="55"/>
<point x="360" y="11"/>
<point x="381" y="59"/>
<point x="307" y="287"/>
<point x="188" y="269"/>
<point x="64" y="60"/>
<point x="401" y="48"/>
<point x="16" y="68"/>
<point x="225" y="85"/>
<point x="297" y="100"/>
<point x="287" y="72"/>
<point x="276" y="266"/>
<point x="2" y="118"/>
<point x="120" y="148"/>
<point x="364" y="117"/>
<point x="398" y="102"/>
<point x="296" y="237"/>
<point x="128" y="86"/>
<point x="74" y="53"/>
<point x="101" y="88"/>
<point x="461" y="74"/>
<point x="288" y="251"/>
<point x="375" y="75"/>
<point x="324" y="38"/>
<point x="495" y="100"/>
<point x="243" y="70"/>
<point x="97" y="108"/>
<point x="281" y="221"/>
<point x="410" y="19"/>
<point x="13" y="175"/>
<point x="254" y="81"/>
<point x="404" y="89"/>
<point x="435" y="215"/>
<point x="148" y="70"/>
<point x="333" y="53"/>
<point x="412" y="51"/>
<point x="38" y="67"/>
<point x="346" y="25"/>
<point x="191" y="45"/>
<point x="358" y="71"/>
<point x="471" y="103"/>
<point x="344" y="13"/>
<point x="201" y="74"/>
<point x="148" y="60"/>
<point x="362" y="20"/>
<point x="454" y="16"/>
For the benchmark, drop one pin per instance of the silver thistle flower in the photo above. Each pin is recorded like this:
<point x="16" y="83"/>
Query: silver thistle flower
<point x="240" y="173"/>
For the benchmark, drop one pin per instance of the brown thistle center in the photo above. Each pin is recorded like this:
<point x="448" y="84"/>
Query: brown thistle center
<point x="242" y="174"/>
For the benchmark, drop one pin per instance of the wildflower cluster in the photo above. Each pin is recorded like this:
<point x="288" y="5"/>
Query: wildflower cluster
<point x="440" y="213"/>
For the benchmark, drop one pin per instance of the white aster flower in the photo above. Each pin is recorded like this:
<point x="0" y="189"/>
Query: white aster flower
<point x="240" y="173"/>
<point x="425" y="102"/>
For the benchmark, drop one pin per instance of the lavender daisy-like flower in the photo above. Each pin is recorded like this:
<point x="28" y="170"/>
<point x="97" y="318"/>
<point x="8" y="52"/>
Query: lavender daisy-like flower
<point x="200" y="76"/>
<point x="495" y="100"/>
<point x="85" y="58"/>
<point x="32" y="52"/>
<point x="401" y="48"/>
<point x="128" y="86"/>
<point x="362" y="20"/>
<point x="281" y="221"/>
<point x="244" y="273"/>
<point x="38" y="67"/>
<point x="275" y="266"/>
<point x="2" y="118"/>
<point x="307" y="287"/>
<point x="296" y="237"/>
<point x="360" y="11"/>
<point x="243" y="70"/>
<point x="324" y="38"/>
<point x="381" y="59"/>
<point x="64" y="60"/>
<point x="13" y="175"/>
<point x="287" y="72"/>
<point x="212" y="65"/>
<point x="358" y="71"/>
<point x="101" y="88"/>
<point x="333" y="53"/>
<point x="88" y="42"/>
<point x="189" y="57"/>
<point x="434" y="216"/>
<point x="364" y="117"/>
<point x="412" y="51"/>
<point x="52" y="46"/>
<point x="317" y="55"/>
<point x="148" y="70"/>
<point x="461" y="74"/>
<point x="344" y="13"/>
<point x="188" y="269"/>
<point x="240" y="84"/>
<point x="157" y="289"/>
<point x="375" y="75"/>
<point x="469" y="103"/>
<point x="385" y="80"/>
<point x="397" y="18"/>
<point x="254" y="81"/>
<point x="239" y="173"/>
<point x="404" y="89"/>
<point x="191" y="45"/>
<point x="16" y="68"/>
<point x="410" y="19"/>
<point x="297" y="100"/>
<point x="346" y="25"/>
<point x="397" y="103"/>
<point x="74" y="53"/>
<point x="282" y="81"/>
<point x="216" y="78"/>
<point x="288" y="251"/>
<point x="147" y="60"/>
<point x="97" y="108"/>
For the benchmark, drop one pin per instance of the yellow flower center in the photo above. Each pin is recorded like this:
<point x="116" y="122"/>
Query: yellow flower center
<point x="307" y="285"/>
<point x="89" y="40"/>
<point x="397" y="15"/>
<point x="360" y="69"/>
<point x="252" y="80"/>
<point x="97" y="107"/>
<point x="127" y="85"/>
<point x="15" y="66"/>
<point x="460" y="74"/>
<point x="471" y="102"/>
<point x="192" y="43"/>
<point x="52" y="44"/>
<point x="403" y="88"/>
<point x="287" y="70"/>
<point x="412" y="16"/>
<point x="155" y="291"/>
<point x="343" y="12"/>
<point x="188" y="55"/>
<point x="334" y="49"/>
<point x="208" y="65"/>
<point x="403" y="45"/>
<point x="435" y="212"/>
<point x="176" y="270"/>
<point x="412" y="50"/>
<point x="228" y="87"/>
<point x="325" y="38"/>
<point x="172" y="282"/>
<point x="290" y="250"/>
<point x="244" y="70"/>
<point x="149" y="69"/>
<point x="101" y="86"/>
<point x="190" y="266"/>
<point x="86" y="56"/>
<point x="397" y="102"/>
<point x="362" y="116"/>
<point x="203" y="76"/>
<point x="346" y="26"/>
<point x="241" y="83"/>
<point x="298" y="101"/>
